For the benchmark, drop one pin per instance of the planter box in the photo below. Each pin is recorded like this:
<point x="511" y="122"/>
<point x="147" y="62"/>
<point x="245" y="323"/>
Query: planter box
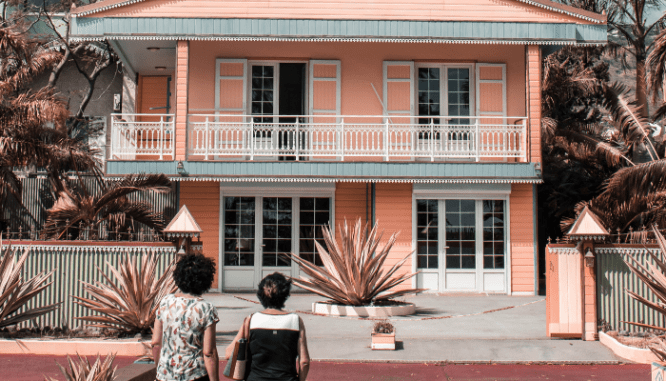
<point x="658" y="372"/>
<point x="383" y="341"/>
<point x="72" y="347"/>
<point x="329" y="309"/>
<point x="638" y="355"/>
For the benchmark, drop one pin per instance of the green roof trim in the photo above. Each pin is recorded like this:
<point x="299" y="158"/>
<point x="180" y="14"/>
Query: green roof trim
<point x="135" y="28"/>
<point x="312" y="171"/>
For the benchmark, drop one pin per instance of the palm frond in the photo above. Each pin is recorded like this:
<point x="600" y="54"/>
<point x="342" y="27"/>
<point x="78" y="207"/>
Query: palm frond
<point x="656" y="61"/>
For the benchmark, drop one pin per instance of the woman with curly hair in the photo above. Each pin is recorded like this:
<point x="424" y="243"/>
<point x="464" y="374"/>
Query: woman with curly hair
<point x="277" y="347"/>
<point x="184" y="333"/>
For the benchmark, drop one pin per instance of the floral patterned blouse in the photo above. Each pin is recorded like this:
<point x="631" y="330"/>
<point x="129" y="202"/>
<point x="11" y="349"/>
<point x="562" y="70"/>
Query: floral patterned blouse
<point x="184" y="321"/>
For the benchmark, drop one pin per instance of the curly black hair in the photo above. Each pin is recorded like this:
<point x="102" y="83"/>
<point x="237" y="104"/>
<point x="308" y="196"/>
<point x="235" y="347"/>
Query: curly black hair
<point x="274" y="290"/>
<point x="194" y="274"/>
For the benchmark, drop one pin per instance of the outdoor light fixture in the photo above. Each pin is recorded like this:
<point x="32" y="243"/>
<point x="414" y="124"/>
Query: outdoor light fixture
<point x="160" y="68"/>
<point x="181" y="169"/>
<point x="589" y="258"/>
<point x="153" y="48"/>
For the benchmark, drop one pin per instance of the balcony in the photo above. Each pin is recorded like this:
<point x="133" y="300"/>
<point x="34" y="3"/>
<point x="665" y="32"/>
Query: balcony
<point x="142" y="137"/>
<point x="218" y="137"/>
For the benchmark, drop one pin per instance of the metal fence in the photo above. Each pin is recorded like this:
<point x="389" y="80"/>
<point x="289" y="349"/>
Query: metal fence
<point x="76" y="262"/>
<point x="613" y="279"/>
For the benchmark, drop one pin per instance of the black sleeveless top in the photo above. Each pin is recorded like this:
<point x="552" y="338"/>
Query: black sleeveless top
<point x="273" y="347"/>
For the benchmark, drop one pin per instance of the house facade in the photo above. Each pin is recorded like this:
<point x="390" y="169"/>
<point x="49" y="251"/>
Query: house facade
<point x="280" y="117"/>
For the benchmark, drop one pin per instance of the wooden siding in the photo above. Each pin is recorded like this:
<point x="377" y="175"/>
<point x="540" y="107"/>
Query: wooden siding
<point x="431" y="10"/>
<point x="350" y="204"/>
<point x="182" y="68"/>
<point x="393" y="212"/>
<point x="203" y="201"/>
<point x="153" y="97"/>
<point x="552" y="295"/>
<point x="534" y="91"/>
<point x="522" y="238"/>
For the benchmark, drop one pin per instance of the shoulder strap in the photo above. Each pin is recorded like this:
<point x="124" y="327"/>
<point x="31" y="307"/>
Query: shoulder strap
<point x="246" y="327"/>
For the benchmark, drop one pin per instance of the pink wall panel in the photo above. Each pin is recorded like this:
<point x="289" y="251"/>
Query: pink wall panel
<point x="490" y="72"/>
<point x="490" y="95"/>
<point x="361" y="65"/>
<point x="436" y="10"/>
<point x="228" y="69"/>
<point x="522" y="238"/>
<point x="324" y="71"/>
<point x="324" y="95"/>
<point x="398" y="71"/>
<point x="231" y="93"/>
<point x="398" y="96"/>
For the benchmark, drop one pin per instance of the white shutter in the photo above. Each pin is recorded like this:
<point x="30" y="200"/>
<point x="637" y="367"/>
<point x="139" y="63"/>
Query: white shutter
<point x="398" y="88"/>
<point x="324" y="87"/>
<point x="230" y="86"/>
<point x="491" y="90"/>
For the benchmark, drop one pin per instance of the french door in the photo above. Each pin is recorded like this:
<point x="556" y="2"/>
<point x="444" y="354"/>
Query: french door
<point x="461" y="245"/>
<point x="259" y="231"/>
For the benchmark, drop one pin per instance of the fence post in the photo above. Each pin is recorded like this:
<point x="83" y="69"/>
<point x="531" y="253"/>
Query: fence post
<point x="477" y="140"/>
<point x="523" y="132"/>
<point x="206" y="140"/>
<point x="161" y="141"/>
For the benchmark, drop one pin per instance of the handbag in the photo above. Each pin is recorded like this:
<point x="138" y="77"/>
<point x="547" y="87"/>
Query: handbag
<point x="236" y="366"/>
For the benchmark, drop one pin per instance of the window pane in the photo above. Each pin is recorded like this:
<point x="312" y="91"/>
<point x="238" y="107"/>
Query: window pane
<point x="277" y="230"/>
<point x="460" y="234"/>
<point x="493" y="236"/>
<point x="428" y="93"/>
<point x="427" y="234"/>
<point x="315" y="214"/>
<point x="239" y="231"/>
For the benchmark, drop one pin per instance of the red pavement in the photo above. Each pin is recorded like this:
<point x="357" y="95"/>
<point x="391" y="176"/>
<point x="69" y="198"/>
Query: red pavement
<point x="34" y="368"/>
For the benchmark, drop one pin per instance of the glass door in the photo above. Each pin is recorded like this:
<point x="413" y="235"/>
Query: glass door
<point x="276" y="235"/>
<point x="239" y="242"/>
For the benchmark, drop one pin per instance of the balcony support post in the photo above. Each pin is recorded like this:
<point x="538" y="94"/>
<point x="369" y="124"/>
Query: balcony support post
<point x="297" y="138"/>
<point x="477" y="140"/>
<point x="523" y="133"/>
<point x="206" y="139"/>
<point x="432" y="139"/>
<point x="251" y="138"/>
<point x="341" y="141"/>
<point x="386" y="140"/>
<point x="161" y="140"/>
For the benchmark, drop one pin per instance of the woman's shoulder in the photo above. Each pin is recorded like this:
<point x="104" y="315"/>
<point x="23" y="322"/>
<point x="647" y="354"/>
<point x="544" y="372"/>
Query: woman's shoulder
<point x="289" y="321"/>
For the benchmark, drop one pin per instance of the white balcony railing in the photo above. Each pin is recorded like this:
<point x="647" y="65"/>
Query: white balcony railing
<point x="142" y="136"/>
<point x="216" y="136"/>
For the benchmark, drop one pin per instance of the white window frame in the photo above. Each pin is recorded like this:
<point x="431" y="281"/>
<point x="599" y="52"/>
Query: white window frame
<point x="260" y="190"/>
<point x="276" y="84"/>
<point x="443" y="88"/>
<point x="465" y="193"/>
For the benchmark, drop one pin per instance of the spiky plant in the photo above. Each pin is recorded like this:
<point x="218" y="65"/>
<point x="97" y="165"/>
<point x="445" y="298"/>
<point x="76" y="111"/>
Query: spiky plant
<point x="82" y="370"/>
<point x="130" y="303"/>
<point x="354" y="271"/>
<point x="15" y="292"/>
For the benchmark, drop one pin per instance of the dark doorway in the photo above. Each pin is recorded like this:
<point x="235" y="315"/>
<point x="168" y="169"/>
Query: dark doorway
<point x="292" y="96"/>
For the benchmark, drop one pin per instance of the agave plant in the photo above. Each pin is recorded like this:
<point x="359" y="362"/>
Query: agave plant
<point x="130" y="303"/>
<point x="15" y="292"/>
<point x="82" y="370"/>
<point x="354" y="270"/>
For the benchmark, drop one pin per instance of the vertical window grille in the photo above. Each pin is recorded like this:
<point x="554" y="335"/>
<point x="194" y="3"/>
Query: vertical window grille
<point x="493" y="234"/>
<point x="276" y="231"/>
<point x="427" y="231"/>
<point x="460" y="234"/>
<point x="315" y="213"/>
<point x="239" y="231"/>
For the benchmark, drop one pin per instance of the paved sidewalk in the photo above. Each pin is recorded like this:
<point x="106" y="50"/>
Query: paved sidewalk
<point x="454" y="328"/>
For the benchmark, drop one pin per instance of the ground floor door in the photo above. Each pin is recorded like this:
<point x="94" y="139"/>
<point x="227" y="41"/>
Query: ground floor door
<point x="259" y="230"/>
<point x="461" y="244"/>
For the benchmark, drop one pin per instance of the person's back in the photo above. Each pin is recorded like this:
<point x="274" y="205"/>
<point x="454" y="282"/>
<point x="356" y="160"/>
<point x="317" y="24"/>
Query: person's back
<point x="273" y="347"/>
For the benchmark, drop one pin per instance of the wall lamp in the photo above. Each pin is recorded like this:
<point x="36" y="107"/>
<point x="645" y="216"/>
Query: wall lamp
<point x="589" y="258"/>
<point x="180" y="168"/>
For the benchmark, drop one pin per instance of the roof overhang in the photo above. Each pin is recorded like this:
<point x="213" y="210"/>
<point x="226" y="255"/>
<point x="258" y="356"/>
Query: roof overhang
<point x="234" y="29"/>
<point x="314" y="172"/>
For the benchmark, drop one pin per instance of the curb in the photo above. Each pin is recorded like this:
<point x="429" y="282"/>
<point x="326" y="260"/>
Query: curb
<point x="484" y="362"/>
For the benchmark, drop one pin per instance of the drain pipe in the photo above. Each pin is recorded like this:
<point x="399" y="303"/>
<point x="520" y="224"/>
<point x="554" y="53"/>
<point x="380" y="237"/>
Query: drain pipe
<point x="372" y="186"/>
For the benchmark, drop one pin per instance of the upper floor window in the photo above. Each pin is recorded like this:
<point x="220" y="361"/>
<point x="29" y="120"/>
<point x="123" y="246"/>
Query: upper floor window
<point x="444" y="90"/>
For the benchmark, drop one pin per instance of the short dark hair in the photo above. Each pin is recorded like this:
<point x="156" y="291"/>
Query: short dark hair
<point x="274" y="290"/>
<point x="194" y="274"/>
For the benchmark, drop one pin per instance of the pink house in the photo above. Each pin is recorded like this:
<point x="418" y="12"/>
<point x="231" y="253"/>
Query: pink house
<point x="280" y="116"/>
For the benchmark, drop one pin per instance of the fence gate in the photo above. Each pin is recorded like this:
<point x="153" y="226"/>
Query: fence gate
<point x="563" y="299"/>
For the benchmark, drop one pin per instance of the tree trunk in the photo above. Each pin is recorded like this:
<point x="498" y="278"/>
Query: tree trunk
<point x="641" y="86"/>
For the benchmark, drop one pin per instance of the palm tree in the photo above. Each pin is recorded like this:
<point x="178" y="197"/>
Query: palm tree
<point x="76" y="209"/>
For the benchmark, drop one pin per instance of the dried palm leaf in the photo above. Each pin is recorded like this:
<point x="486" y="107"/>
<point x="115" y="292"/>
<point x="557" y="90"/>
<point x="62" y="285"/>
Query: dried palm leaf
<point x="354" y="271"/>
<point x="82" y="370"/>
<point x="15" y="292"/>
<point x="130" y="303"/>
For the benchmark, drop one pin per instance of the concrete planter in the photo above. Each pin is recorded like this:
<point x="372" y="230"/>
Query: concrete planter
<point x="658" y="372"/>
<point x="324" y="308"/>
<point x="127" y="347"/>
<point x="383" y="341"/>
<point x="638" y="355"/>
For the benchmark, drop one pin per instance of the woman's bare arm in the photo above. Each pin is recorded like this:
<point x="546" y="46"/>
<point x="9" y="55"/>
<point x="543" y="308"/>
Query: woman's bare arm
<point x="156" y="342"/>
<point x="230" y="348"/>
<point x="303" y="366"/>
<point x="211" y="358"/>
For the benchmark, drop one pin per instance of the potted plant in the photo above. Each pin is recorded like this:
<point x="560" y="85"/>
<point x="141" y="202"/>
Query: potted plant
<point x="383" y="336"/>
